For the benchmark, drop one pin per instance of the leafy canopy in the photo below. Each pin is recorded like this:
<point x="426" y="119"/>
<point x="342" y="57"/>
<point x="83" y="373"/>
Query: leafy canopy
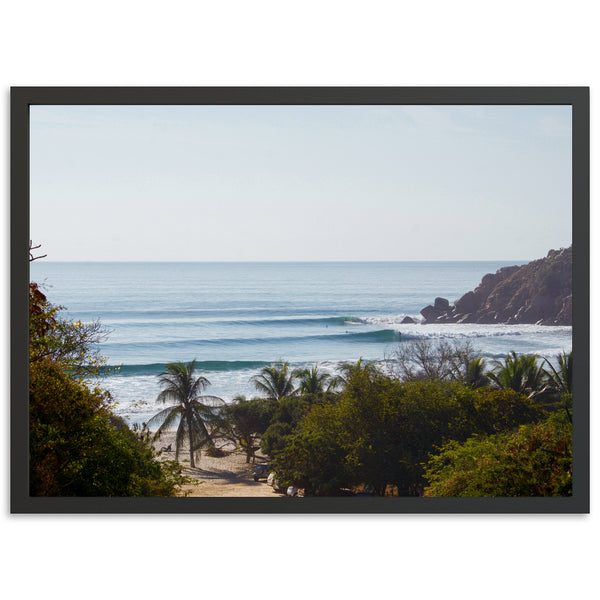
<point x="380" y="431"/>
<point x="77" y="447"/>
<point x="533" y="461"/>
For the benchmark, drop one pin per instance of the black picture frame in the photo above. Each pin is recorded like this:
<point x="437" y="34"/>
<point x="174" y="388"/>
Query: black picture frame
<point x="23" y="97"/>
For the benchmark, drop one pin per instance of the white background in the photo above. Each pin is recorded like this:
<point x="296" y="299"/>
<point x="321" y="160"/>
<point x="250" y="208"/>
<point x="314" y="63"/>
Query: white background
<point x="296" y="43"/>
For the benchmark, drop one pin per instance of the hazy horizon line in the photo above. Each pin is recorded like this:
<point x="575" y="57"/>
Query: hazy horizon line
<point x="292" y="261"/>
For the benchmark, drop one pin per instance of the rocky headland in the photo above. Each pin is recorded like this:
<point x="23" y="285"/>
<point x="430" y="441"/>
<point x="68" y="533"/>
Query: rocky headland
<point x="538" y="293"/>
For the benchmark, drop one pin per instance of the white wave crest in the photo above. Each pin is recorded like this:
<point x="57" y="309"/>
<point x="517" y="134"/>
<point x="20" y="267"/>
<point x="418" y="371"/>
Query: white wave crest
<point x="460" y="330"/>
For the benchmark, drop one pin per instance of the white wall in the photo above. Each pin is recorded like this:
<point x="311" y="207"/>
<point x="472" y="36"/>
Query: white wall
<point x="297" y="43"/>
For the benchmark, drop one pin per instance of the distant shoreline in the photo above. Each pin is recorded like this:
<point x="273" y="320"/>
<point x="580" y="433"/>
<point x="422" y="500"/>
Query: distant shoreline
<point x="288" y="262"/>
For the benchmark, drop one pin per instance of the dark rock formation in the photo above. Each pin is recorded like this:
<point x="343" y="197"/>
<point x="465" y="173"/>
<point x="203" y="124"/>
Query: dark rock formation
<point x="441" y="304"/>
<point x="407" y="320"/>
<point x="430" y="314"/>
<point x="538" y="292"/>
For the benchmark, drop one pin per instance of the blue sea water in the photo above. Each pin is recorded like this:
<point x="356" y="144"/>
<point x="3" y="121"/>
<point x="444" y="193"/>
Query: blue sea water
<point x="235" y="318"/>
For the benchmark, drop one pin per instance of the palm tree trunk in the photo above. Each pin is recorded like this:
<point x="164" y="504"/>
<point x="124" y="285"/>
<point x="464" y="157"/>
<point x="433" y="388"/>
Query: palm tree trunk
<point x="192" y="463"/>
<point x="248" y="441"/>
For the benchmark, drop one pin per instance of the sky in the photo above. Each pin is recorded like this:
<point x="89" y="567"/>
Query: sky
<point x="300" y="183"/>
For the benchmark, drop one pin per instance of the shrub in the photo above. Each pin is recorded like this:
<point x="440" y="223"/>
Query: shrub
<point x="382" y="431"/>
<point x="534" y="461"/>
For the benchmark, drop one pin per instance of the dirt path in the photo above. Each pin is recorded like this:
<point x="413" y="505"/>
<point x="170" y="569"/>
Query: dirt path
<point x="228" y="479"/>
<point x="229" y="475"/>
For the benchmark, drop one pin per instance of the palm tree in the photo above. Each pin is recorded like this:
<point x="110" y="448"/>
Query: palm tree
<point x="192" y="410"/>
<point x="313" y="380"/>
<point x="349" y="370"/>
<point x="521" y="374"/>
<point x="276" y="381"/>
<point x="561" y="381"/>
<point x="475" y="373"/>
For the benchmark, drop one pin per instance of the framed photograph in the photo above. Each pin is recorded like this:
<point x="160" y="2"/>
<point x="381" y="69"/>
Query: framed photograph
<point x="300" y="300"/>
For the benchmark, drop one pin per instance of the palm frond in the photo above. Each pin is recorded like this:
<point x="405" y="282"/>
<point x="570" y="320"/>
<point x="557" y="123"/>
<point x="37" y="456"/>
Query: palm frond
<point x="313" y="380"/>
<point x="561" y="380"/>
<point x="520" y="373"/>
<point x="164" y="419"/>
<point x="276" y="381"/>
<point x="210" y="401"/>
<point x="168" y="395"/>
<point x="198" y="433"/>
<point x="348" y="370"/>
<point x="475" y="373"/>
<point x="198" y="386"/>
<point x="335" y="382"/>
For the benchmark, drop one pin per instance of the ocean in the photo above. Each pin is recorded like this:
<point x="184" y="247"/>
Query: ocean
<point x="235" y="318"/>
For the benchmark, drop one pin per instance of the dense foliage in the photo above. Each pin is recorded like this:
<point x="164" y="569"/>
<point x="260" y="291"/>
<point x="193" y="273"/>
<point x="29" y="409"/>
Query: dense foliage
<point x="72" y="344"/>
<point x="287" y="417"/>
<point x="533" y="461"/>
<point x="245" y="421"/>
<point x="410" y="429"/>
<point x="381" y="431"/>
<point x="77" y="446"/>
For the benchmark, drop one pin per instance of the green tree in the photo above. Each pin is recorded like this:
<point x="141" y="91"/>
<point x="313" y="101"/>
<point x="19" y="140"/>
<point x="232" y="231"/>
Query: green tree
<point x="287" y="416"/>
<point x="381" y="431"/>
<point x="314" y="462"/>
<point x="275" y="438"/>
<point x="534" y="461"/>
<point x="475" y="375"/>
<point x="313" y="380"/>
<point x="275" y="381"/>
<point x="246" y="421"/>
<point x="559" y="381"/>
<point x="77" y="447"/>
<point x="351" y="372"/>
<point x="521" y="373"/>
<point x="193" y="412"/>
<point x="72" y="344"/>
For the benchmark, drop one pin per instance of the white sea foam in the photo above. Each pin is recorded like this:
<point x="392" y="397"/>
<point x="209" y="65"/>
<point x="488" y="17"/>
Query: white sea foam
<point x="459" y="330"/>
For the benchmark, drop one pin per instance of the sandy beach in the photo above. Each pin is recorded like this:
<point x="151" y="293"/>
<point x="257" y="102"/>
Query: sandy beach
<point x="226" y="476"/>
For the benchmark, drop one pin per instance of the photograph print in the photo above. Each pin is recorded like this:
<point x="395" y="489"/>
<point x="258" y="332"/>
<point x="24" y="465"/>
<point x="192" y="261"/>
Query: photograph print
<point x="300" y="306"/>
